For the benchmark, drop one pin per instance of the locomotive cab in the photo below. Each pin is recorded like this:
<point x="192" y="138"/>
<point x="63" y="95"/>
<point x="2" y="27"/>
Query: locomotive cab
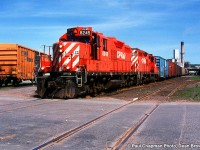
<point x="74" y="49"/>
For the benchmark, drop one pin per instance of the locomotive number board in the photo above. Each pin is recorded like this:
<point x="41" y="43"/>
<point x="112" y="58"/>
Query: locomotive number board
<point x="85" y="32"/>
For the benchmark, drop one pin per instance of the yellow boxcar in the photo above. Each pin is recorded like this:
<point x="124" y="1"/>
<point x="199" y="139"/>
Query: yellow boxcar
<point x="17" y="63"/>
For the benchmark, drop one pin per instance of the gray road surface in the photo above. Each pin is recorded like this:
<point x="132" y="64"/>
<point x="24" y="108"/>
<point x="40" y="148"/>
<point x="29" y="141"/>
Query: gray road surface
<point x="170" y="126"/>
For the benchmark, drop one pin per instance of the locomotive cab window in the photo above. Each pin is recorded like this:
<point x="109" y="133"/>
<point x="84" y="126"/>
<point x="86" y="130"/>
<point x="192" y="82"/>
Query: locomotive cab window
<point x="134" y="53"/>
<point x="80" y="39"/>
<point x="84" y="39"/>
<point x="95" y="44"/>
<point x="94" y="39"/>
<point x="104" y="44"/>
<point x="152" y="59"/>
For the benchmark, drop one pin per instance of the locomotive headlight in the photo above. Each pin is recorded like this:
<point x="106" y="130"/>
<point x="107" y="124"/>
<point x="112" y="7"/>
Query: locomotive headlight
<point x="60" y="50"/>
<point x="42" y="68"/>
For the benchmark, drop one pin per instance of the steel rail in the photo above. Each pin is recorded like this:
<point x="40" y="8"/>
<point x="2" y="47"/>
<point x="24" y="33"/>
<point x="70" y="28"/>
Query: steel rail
<point x="28" y="106"/>
<point x="119" y="143"/>
<point x="69" y="133"/>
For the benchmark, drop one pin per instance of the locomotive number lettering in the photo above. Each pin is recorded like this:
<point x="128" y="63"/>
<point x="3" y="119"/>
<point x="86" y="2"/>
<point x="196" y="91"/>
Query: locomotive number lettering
<point x="84" y="32"/>
<point x="121" y="55"/>
<point x="105" y="53"/>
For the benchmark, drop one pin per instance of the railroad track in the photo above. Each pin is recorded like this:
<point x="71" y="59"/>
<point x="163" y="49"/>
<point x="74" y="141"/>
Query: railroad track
<point x="18" y="86"/>
<point x="25" y="104"/>
<point x="67" y="134"/>
<point x="38" y="101"/>
<point x="20" y="91"/>
<point x="21" y="102"/>
<point x="128" y="94"/>
<point x="153" y="84"/>
<point x="26" y="99"/>
<point x="124" y="139"/>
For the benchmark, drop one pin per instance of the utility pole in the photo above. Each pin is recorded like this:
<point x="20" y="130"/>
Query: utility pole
<point x="49" y="48"/>
<point x="49" y="51"/>
<point x="44" y="46"/>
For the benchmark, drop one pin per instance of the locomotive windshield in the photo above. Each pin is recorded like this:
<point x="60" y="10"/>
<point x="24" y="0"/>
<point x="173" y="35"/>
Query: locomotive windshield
<point x="82" y="39"/>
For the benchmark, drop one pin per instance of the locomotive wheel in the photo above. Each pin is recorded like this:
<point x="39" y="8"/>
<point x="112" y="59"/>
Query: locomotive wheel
<point x="138" y="81"/>
<point x="94" y="93"/>
<point x="41" y="89"/>
<point x="128" y="83"/>
<point x="70" y="90"/>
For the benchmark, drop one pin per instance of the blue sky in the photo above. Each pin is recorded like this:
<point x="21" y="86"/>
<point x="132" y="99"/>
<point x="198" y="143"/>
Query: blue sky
<point x="156" y="26"/>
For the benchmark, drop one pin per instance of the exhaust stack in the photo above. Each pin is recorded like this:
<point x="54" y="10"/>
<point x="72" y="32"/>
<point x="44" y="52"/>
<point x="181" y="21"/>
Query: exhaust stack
<point x="182" y="52"/>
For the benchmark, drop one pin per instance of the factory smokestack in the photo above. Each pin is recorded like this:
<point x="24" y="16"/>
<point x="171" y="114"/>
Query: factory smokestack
<point x="182" y="52"/>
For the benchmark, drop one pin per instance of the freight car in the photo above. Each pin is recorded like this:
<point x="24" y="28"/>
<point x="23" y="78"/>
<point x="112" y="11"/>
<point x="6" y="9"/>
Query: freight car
<point x="19" y="63"/>
<point x="161" y="63"/>
<point x="85" y="61"/>
<point x="168" y="68"/>
<point x="174" y="69"/>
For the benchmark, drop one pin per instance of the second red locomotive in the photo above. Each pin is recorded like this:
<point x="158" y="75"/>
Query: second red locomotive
<point x="85" y="61"/>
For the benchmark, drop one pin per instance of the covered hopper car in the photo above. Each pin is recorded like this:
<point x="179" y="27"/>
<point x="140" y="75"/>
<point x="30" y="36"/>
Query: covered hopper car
<point x="19" y="63"/>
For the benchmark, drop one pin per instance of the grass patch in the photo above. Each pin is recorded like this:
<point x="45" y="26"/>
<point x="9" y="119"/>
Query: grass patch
<point x="190" y="93"/>
<point x="194" y="78"/>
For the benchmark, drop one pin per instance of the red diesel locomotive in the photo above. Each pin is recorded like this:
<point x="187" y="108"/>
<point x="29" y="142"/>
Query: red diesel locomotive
<point x="87" y="62"/>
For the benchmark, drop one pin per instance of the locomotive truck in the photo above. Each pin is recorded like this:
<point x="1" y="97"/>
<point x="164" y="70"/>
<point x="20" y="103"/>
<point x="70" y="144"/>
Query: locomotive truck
<point x="87" y="62"/>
